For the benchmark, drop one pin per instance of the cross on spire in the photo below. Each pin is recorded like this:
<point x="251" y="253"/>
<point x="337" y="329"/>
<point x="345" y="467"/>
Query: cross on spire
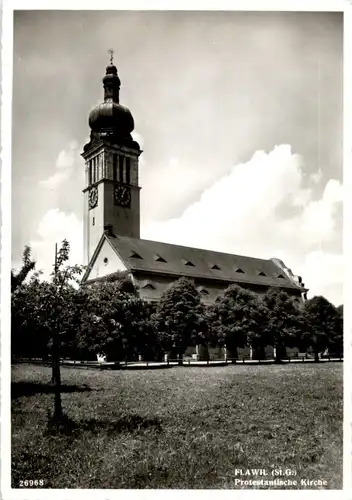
<point x="111" y="52"/>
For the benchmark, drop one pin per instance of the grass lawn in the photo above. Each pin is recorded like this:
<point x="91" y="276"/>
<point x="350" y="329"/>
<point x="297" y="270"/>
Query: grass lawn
<point x="179" y="427"/>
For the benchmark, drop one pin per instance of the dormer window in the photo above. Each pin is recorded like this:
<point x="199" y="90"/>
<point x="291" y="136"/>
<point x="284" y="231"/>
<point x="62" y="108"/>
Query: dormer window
<point x="135" y="255"/>
<point x="281" y="276"/>
<point x="239" y="270"/>
<point x="148" y="285"/>
<point x="215" y="266"/>
<point x="158" y="258"/>
<point x="261" y="273"/>
<point x="187" y="262"/>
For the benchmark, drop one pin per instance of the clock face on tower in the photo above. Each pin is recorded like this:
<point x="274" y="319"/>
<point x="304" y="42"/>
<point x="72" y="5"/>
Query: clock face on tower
<point x="93" y="198"/>
<point x="122" y="196"/>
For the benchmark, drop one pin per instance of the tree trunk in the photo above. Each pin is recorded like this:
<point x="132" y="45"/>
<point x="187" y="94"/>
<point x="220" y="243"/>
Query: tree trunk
<point x="233" y="354"/>
<point x="203" y="353"/>
<point x="280" y="352"/>
<point x="259" y="353"/>
<point x="56" y="377"/>
<point x="316" y="356"/>
<point x="180" y="358"/>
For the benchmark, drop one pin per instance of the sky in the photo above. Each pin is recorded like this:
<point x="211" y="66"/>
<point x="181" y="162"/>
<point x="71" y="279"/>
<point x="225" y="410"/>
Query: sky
<point x="239" y="115"/>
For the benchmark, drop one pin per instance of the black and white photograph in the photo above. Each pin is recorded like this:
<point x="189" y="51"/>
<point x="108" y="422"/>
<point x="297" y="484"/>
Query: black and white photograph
<point x="176" y="295"/>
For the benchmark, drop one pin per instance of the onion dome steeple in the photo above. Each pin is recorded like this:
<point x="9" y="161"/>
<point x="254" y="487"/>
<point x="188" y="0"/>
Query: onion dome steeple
<point x="111" y="81"/>
<point x="110" y="119"/>
<point x="112" y="84"/>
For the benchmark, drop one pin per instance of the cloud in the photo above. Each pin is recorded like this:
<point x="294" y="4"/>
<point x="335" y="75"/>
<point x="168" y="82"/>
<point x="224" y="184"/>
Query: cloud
<point x="261" y="208"/>
<point x="64" y="167"/>
<point x="325" y="272"/>
<point x="316" y="177"/>
<point x="176" y="183"/>
<point x="54" y="227"/>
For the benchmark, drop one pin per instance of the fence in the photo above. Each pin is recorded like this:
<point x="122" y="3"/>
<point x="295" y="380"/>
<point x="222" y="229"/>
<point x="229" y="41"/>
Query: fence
<point x="117" y="365"/>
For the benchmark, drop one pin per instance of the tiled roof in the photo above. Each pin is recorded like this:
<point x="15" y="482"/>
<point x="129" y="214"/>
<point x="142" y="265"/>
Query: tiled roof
<point x="140" y="255"/>
<point x="159" y="287"/>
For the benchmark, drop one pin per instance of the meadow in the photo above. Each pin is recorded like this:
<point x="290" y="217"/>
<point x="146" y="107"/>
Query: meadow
<point x="180" y="427"/>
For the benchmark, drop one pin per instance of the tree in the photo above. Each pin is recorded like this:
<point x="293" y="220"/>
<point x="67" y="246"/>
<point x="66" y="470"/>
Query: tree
<point x="26" y="338"/>
<point x="323" y="325"/>
<point x="336" y="346"/>
<point x="236" y="319"/>
<point x="179" y="319"/>
<point x="55" y="311"/>
<point x="28" y="265"/>
<point x="29" y="338"/>
<point x="283" y="325"/>
<point x="45" y="313"/>
<point x="116" y="320"/>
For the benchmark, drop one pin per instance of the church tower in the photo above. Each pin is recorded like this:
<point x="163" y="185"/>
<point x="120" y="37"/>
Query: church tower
<point x="111" y="193"/>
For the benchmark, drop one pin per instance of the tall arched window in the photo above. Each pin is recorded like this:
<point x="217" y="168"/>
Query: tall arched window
<point x="128" y="170"/>
<point x="90" y="172"/>
<point x="95" y="169"/>
<point x="114" y="167"/>
<point x="121" y="168"/>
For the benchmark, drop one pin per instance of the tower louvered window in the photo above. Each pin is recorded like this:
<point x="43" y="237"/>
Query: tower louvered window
<point x="128" y="170"/>
<point x="90" y="172"/>
<point x="94" y="170"/>
<point x="114" y="167"/>
<point x="121" y="168"/>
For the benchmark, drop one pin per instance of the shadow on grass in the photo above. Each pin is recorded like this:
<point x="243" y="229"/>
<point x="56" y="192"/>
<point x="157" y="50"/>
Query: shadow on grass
<point x="20" y="389"/>
<point x="127" y="423"/>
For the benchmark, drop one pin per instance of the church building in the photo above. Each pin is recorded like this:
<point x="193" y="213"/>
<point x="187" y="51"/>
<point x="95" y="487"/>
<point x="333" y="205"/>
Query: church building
<point x="112" y="240"/>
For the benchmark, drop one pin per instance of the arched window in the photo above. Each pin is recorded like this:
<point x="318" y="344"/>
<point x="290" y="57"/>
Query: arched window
<point x="121" y="168"/>
<point x="90" y="172"/>
<point x="95" y="169"/>
<point x="128" y="170"/>
<point x="92" y="164"/>
<point x="114" y="167"/>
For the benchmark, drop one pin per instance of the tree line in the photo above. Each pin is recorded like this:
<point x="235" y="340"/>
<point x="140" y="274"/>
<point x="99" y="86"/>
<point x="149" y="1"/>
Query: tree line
<point x="59" y="317"/>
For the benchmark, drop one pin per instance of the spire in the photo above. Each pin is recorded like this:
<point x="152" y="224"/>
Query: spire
<point x="111" y="81"/>
<point x="110" y="119"/>
<point x="111" y="52"/>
